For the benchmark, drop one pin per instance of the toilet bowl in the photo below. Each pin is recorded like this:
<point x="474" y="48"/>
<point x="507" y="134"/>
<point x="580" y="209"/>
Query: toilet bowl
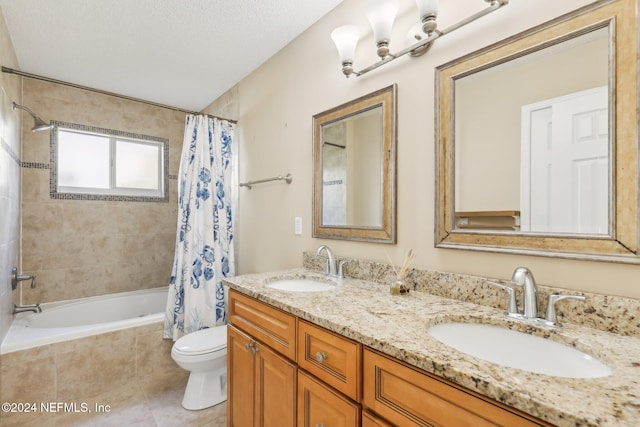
<point x="204" y="354"/>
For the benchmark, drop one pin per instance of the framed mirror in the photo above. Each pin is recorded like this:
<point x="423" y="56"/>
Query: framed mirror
<point x="354" y="150"/>
<point x="536" y="140"/>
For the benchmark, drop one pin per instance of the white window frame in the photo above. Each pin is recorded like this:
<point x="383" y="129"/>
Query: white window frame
<point x="119" y="193"/>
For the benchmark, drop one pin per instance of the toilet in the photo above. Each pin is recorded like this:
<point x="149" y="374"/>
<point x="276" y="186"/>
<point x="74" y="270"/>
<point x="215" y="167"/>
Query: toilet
<point x="204" y="354"/>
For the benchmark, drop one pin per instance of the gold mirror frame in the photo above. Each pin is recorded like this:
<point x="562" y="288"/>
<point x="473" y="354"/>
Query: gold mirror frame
<point x="622" y="244"/>
<point x="386" y="233"/>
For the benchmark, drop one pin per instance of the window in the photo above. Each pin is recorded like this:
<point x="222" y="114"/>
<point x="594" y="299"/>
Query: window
<point x="92" y="163"/>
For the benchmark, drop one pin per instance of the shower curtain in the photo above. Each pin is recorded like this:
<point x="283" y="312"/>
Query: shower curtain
<point x="204" y="236"/>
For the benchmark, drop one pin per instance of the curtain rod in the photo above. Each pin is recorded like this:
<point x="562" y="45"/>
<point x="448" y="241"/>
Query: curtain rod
<point x="104" y="92"/>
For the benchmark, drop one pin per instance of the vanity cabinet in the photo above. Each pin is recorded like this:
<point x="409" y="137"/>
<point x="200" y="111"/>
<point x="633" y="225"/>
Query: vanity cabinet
<point x="284" y="371"/>
<point x="261" y="368"/>
<point x="404" y="395"/>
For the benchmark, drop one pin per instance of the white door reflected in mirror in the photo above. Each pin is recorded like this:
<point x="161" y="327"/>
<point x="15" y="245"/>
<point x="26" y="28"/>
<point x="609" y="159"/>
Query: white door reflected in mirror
<point x="565" y="164"/>
<point x="542" y="159"/>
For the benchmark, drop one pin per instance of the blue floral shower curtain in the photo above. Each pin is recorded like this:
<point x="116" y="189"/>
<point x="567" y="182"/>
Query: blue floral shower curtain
<point x="204" y="236"/>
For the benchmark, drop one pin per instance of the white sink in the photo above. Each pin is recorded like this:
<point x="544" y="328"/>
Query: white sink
<point x="519" y="350"/>
<point x="301" y="285"/>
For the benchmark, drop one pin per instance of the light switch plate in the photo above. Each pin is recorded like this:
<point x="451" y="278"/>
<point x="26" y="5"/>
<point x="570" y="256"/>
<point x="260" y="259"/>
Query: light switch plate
<point x="297" y="225"/>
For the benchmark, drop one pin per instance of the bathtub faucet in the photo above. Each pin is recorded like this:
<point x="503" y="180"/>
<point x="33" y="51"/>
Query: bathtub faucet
<point x="24" y="308"/>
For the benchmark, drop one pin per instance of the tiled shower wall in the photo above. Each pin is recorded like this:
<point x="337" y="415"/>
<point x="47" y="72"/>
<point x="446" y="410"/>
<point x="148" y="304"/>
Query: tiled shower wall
<point x="10" y="90"/>
<point x="80" y="248"/>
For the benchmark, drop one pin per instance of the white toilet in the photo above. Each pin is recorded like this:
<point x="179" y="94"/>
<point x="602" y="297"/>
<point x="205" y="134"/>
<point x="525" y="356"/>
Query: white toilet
<point x="204" y="354"/>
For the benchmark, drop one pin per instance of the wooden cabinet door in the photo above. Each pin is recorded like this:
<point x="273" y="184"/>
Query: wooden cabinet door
<point x="261" y="384"/>
<point x="240" y="379"/>
<point x="370" y="420"/>
<point x="275" y="389"/>
<point x="318" y="405"/>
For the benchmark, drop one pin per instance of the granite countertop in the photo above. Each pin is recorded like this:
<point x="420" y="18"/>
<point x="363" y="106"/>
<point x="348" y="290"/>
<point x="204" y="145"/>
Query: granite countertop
<point x="397" y="325"/>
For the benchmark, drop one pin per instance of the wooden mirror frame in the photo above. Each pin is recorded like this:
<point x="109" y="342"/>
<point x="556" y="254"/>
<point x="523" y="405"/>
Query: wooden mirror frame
<point x="386" y="98"/>
<point x="622" y="243"/>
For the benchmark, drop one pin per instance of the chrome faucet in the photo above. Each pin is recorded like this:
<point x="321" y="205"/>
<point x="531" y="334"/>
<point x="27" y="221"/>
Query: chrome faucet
<point x="330" y="268"/>
<point x="524" y="277"/>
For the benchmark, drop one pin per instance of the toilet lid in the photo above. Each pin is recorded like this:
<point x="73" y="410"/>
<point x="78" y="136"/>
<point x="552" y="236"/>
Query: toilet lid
<point x="203" y="341"/>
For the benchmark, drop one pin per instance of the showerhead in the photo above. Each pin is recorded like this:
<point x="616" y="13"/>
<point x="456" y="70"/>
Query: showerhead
<point x="38" y="123"/>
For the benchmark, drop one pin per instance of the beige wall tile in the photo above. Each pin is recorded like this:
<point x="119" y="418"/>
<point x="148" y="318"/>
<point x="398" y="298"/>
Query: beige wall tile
<point x="95" y="247"/>
<point x="155" y="367"/>
<point x="94" y="370"/>
<point x="28" y="381"/>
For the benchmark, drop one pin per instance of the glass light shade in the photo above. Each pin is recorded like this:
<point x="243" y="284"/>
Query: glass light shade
<point x="427" y="7"/>
<point x="346" y="38"/>
<point x="381" y="19"/>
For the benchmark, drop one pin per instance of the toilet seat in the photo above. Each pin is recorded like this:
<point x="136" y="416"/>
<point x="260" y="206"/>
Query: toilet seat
<point x="202" y="342"/>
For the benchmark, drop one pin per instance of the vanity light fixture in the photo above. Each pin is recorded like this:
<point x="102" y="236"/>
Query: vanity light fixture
<point x="381" y="20"/>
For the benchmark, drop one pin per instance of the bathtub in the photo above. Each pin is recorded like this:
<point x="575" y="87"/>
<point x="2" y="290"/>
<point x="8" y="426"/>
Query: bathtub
<point x="66" y="320"/>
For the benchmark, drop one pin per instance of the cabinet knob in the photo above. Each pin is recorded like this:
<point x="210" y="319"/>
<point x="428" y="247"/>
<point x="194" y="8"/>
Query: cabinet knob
<point x="251" y="346"/>
<point x="320" y="425"/>
<point x="321" y="357"/>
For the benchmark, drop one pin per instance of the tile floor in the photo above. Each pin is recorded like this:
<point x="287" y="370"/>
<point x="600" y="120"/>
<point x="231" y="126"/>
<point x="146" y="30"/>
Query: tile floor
<point x="135" y="407"/>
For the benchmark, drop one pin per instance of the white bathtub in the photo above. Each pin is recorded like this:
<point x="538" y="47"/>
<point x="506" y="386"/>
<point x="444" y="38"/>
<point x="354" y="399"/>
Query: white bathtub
<point x="61" y="321"/>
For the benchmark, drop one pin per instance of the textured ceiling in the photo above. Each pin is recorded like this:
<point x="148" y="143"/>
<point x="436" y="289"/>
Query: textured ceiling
<point x="182" y="53"/>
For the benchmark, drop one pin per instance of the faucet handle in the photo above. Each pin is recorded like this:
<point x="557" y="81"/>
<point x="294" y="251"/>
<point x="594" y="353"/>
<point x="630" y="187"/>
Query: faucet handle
<point x="17" y="277"/>
<point x="341" y="264"/>
<point x="512" y="307"/>
<point x="551" y="305"/>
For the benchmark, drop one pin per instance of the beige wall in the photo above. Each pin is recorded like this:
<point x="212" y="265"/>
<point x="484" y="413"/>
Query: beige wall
<point x="275" y="107"/>
<point x="10" y="90"/>
<point x="79" y="248"/>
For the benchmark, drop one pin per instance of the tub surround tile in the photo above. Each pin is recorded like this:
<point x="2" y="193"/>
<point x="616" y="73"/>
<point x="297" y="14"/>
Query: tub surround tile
<point x="120" y="368"/>
<point x="84" y="236"/>
<point x="154" y="365"/>
<point x="397" y="325"/>
<point x="87" y="373"/>
<point x="35" y="378"/>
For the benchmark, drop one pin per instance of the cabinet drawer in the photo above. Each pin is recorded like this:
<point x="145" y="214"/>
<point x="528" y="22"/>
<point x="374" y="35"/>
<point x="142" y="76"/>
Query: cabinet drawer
<point x="407" y="396"/>
<point x="318" y="405"/>
<point x="266" y="324"/>
<point x="332" y="358"/>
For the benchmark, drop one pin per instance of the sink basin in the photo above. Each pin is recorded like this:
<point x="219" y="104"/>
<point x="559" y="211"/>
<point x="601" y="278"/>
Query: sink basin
<point x="519" y="350"/>
<point x="301" y="285"/>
